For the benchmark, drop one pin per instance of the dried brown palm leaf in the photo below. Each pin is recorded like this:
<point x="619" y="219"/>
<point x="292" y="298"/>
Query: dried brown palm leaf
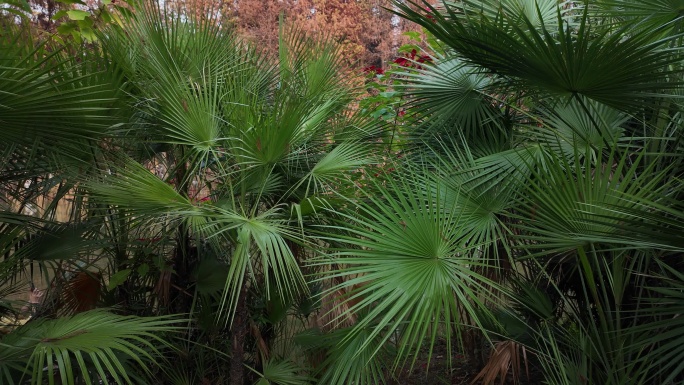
<point x="262" y="346"/>
<point x="335" y="312"/>
<point x="335" y="304"/>
<point x="505" y="357"/>
<point x="162" y="289"/>
<point x="80" y="293"/>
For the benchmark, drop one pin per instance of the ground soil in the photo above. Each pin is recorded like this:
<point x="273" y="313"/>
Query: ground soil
<point x="462" y="371"/>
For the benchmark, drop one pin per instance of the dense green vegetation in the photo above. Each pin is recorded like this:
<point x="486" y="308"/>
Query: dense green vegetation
<point x="511" y="194"/>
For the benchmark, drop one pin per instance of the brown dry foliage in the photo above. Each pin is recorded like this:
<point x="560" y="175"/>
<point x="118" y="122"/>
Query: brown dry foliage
<point x="367" y="32"/>
<point x="505" y="356"/>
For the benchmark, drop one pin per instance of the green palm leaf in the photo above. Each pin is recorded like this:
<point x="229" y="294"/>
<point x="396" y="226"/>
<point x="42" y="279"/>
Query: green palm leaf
<point x="579" y="128"/>
<point x="128" y="184"/>
<point x="647" y="13"/>
<point x="344" y="158"/>
<point x="452" y="93"/>
<point x="620" y="68"/>
<point x="410" y="266"/>
<point x="567" y="206"/>
<point x="89" y="346"/>
<point x="664" y="333"/>
<point x="260" y="241"/>
<point x="193" y="72"/>
<point x="351" y="359"/>
<point x="73" y="100"/>
<point x="282" y="372"/>
<point x="539" y="13"/>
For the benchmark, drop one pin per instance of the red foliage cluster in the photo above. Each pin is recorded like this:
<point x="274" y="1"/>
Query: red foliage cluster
<point x="374" y="70"/>
<point x="429" y="14"/>
<point x="411" y="60"/>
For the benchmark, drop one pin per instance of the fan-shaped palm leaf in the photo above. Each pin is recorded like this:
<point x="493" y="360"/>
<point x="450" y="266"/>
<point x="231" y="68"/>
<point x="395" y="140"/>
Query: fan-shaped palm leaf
<point x="411" y="267"/>
<point x="351" y="359"/>
<point x="451" y="93"/>
<point x="620" y="68"/>
<point x="539" y="13"/>
<point x="344" y="158"/>
<point x="91" y="346"/>
<point x="647" y="13"/>
<point x="579" y="128"/>
<point x="282" y="372"/>
<point x="663" y="335"/>
<point x="191" y="71"/>
<point x="568" y="206"/>
<point x="264" y="237"/>
<point x="130" y="185"/>
<point x="39" y="76"/>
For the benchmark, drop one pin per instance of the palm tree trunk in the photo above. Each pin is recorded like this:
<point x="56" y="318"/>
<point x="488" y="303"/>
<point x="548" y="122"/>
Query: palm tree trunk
<point x="180" y="300"/>
<point x="239" y="333"/>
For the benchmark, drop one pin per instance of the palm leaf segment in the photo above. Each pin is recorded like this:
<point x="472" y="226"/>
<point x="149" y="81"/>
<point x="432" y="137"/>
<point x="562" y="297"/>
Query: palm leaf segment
<point x="92" y="346"/>
<point x="575" y="205"/>
<point x="73" y="98"/>
<point x="55" y="101"/>
<point x="647" y="13"/>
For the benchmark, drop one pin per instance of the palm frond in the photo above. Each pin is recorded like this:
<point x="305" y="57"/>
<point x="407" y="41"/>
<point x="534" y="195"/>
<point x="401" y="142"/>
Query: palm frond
<point x="411" y="265"/>
<point x="335" y="164"/>
<point x="647" y="14"/>
<point x="539" y="13"/>
<point x="579" y="128"/>
<point x="352" y="359"/>
<point x="259" y="240"/>
<point x="192" y="71"/>
<point x="128" y="184"/>
<point x="661" y="339"/>
<point x="91" y="347"/>
<point x="452" y="93"/>
<point x="563" y="204"/>
<point x="282" y="372"/>
<point x="621" y="68"/>
<point x="72" y="97"/>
